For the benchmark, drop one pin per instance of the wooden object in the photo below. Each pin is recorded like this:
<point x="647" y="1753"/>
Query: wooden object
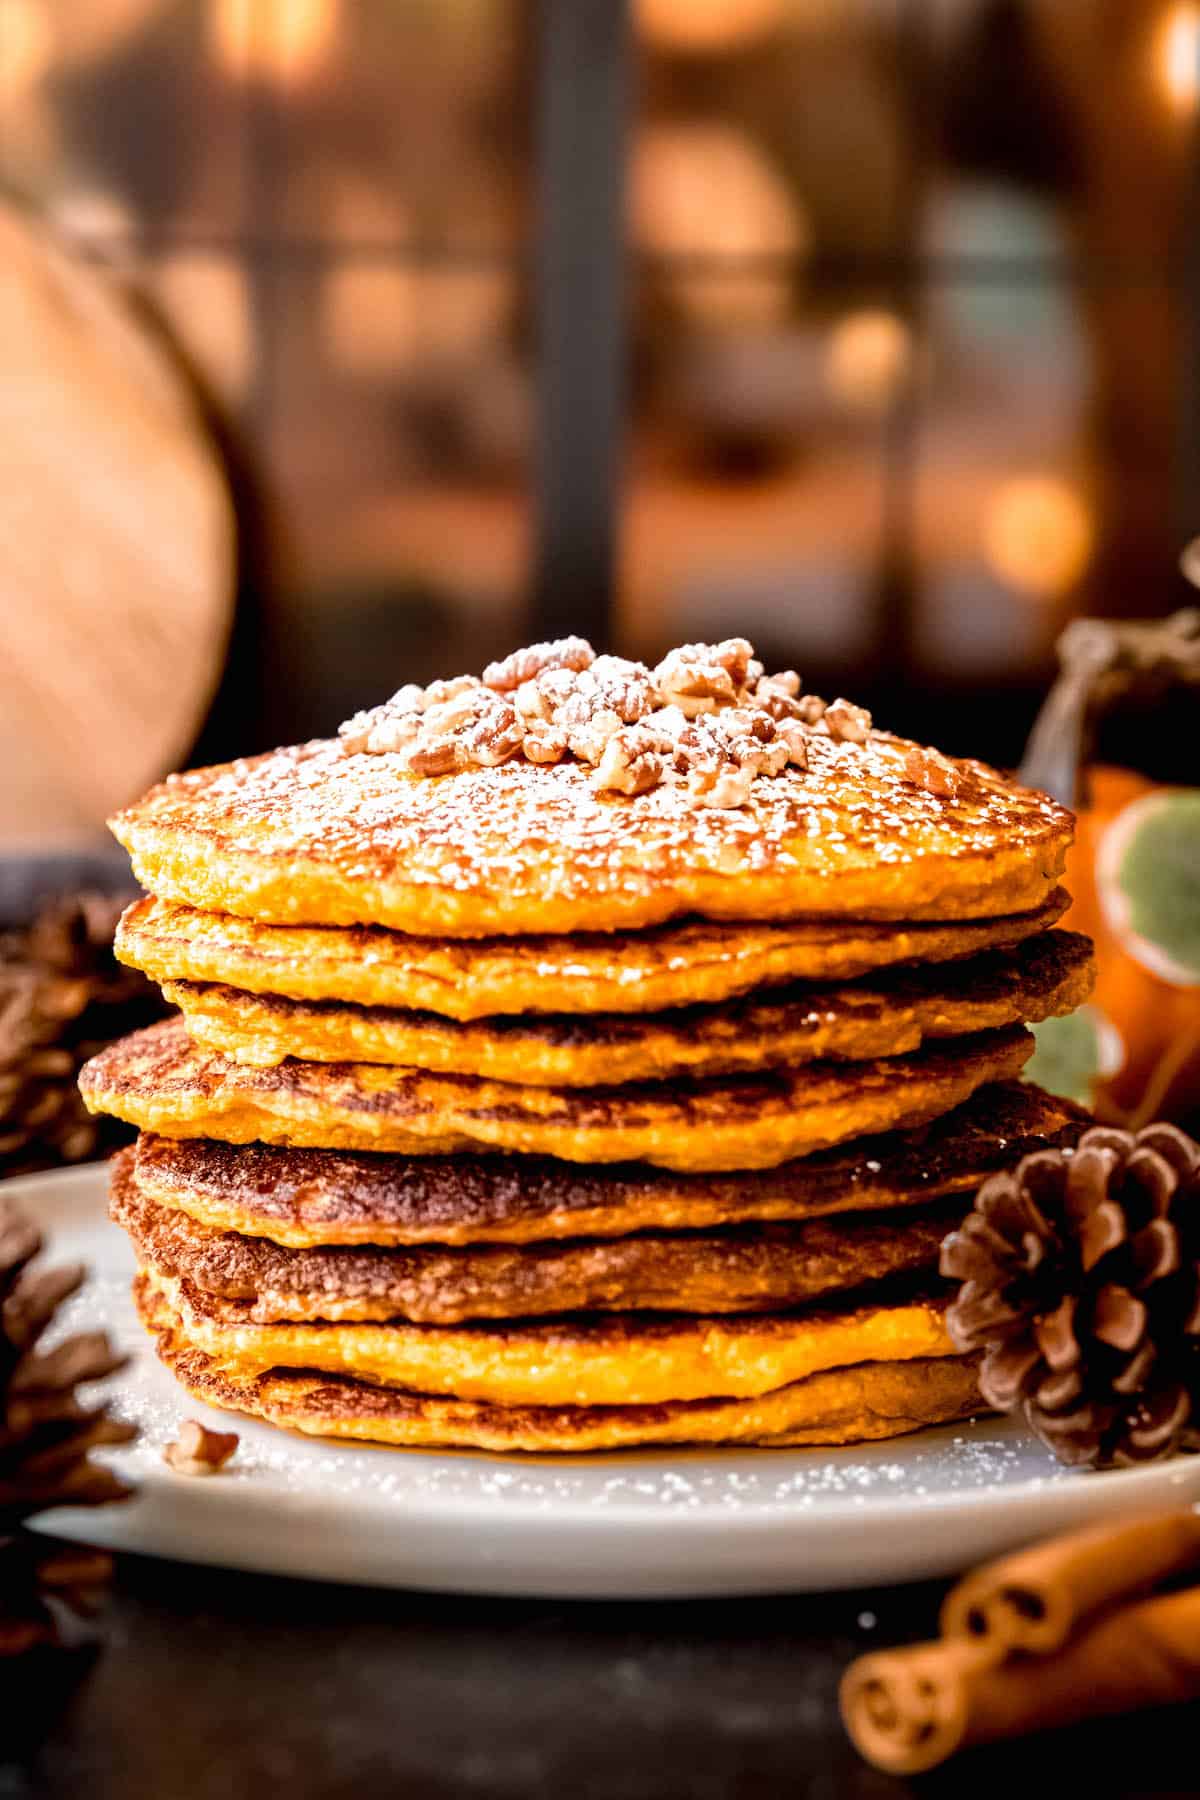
<point x="117" y="546"/>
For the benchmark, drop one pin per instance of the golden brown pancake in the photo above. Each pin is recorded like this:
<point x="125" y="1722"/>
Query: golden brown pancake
<point x="314" y="1197"/>
<point x="698" y="962"/>
<point x="592" y="1359"/>
<point x="841" y="1406"/>
<point x="1039" y="979"/>
<point x="748" y="1268"/>
<point x="157" y="1080"/>
<point x="315" y="836"/>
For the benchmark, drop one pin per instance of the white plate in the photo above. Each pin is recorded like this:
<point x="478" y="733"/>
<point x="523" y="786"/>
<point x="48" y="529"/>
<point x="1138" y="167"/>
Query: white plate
<point x="636" y="1525"/>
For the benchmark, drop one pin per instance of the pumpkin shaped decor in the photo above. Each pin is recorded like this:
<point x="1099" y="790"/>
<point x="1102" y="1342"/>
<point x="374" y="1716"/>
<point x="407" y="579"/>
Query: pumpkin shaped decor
<point x="1133" y="1053"/>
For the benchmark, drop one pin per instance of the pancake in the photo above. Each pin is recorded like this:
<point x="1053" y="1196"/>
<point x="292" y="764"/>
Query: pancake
<point x="302" y="1198"/>
<point x="1039" y="979"/>
<point x="590" y="1359"/>
<point x="157" y="1080"/>
<point x="748" y="1268"/>
<point x="841" y="1406"/>
<point x="313" y="835"/>
<point x="695" y="963"/>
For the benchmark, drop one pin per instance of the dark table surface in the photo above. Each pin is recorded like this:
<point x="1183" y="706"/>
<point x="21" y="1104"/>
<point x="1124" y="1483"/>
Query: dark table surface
<point x="219" y="1686"/>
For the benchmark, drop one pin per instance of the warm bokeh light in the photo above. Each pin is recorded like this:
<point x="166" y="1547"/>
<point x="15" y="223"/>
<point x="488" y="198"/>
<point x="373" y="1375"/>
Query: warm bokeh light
<point x="384" y="319"/>
<point x="94" y="216"/>
<point x="709" y="192"/>
<point x="705" y="26"/>
<point x="382" y="316"/>
<point x="869" y="356"/>
<point x="86" y="30"/>
<point x="1177" y="55"/>
<point x="26" y="46"/>
<point x="280" y="40"/>
<point x="1038" y="535"/>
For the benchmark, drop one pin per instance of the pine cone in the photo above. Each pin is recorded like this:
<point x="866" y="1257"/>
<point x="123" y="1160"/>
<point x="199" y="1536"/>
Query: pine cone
<point x="63" y="996"/>
<point x="1081" y="1285"/>
<point x="46" y="1436"/>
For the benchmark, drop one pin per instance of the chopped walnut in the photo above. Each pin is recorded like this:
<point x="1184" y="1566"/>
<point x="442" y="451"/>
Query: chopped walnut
<point x="475" y="727"/>
<point x="930" y="770"/>
<point x="846" y="723"/>
<point x="437" y="748"/>
<point x="395" y="731"/>
<point x="523" y="665"/>
<point x="631" y="763"/>
<point x="694" y="679"/>
<point x="376" y="729"/>
<point x="495" y="733"/>
<point x="544" y="742"/>
<point x="438" y="693"/>
<point x="726" y="787"/>
<point x="200" y="1451"/>
<point x="794" y="738"/>
<point x="355" y="732"/>
<point x="811" y="709"/>
<point x="777" y="695"/>
<point x="587" y="732"/>
<point x="708" y="717"/>
<point x="531" y="701"/>
<point x="626" y="688"/>
<point x="736" y="655"/>
<point x="435" y="756"/>
<point x="736" y="735"/>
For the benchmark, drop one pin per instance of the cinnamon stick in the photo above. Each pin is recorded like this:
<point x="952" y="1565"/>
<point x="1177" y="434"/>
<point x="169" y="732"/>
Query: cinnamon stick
<point x="908" y="1710"/>
<point x="1035" y="1599"/>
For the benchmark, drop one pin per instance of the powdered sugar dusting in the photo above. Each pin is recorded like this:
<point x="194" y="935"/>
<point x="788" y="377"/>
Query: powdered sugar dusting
<point x="522" y="827"/>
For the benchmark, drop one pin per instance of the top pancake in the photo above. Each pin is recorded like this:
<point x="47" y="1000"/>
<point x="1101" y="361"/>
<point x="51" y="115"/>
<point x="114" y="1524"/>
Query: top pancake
<point x="314" y="835"/>
<point x="697" y="962"/>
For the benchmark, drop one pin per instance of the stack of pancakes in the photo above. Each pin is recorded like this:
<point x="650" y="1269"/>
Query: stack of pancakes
<point x="504" y="1111"/>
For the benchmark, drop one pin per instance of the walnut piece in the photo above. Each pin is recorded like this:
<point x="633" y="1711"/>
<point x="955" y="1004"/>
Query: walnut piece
<point x="631" y="764"/>
<point x="725" y="787"/>
<point x="544" y="742"/>
<point x="847" y="723"/>
<point x="930" y="770"/>
<point x="698" y="678"/>
<point x="200" y="1451"/>
<point x="523" y="665"/>
<point x="793" y="735"/>
<point x="708" y="718"/>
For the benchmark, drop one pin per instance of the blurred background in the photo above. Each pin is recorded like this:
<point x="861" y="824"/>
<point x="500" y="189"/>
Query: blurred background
<point x="868" y="329"/>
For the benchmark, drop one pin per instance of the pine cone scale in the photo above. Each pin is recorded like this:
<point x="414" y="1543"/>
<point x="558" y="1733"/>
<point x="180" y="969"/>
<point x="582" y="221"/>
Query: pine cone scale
<point x="1136" y="1373"/>
<point x="1154" y="1254"/>
<point x="1008" y="1372"/>
<point x="29" y="1309"/>
<point x="1101" y="1230"/>
<point x="1119" y="1319"/>
<point x="1059" y="1393"/>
